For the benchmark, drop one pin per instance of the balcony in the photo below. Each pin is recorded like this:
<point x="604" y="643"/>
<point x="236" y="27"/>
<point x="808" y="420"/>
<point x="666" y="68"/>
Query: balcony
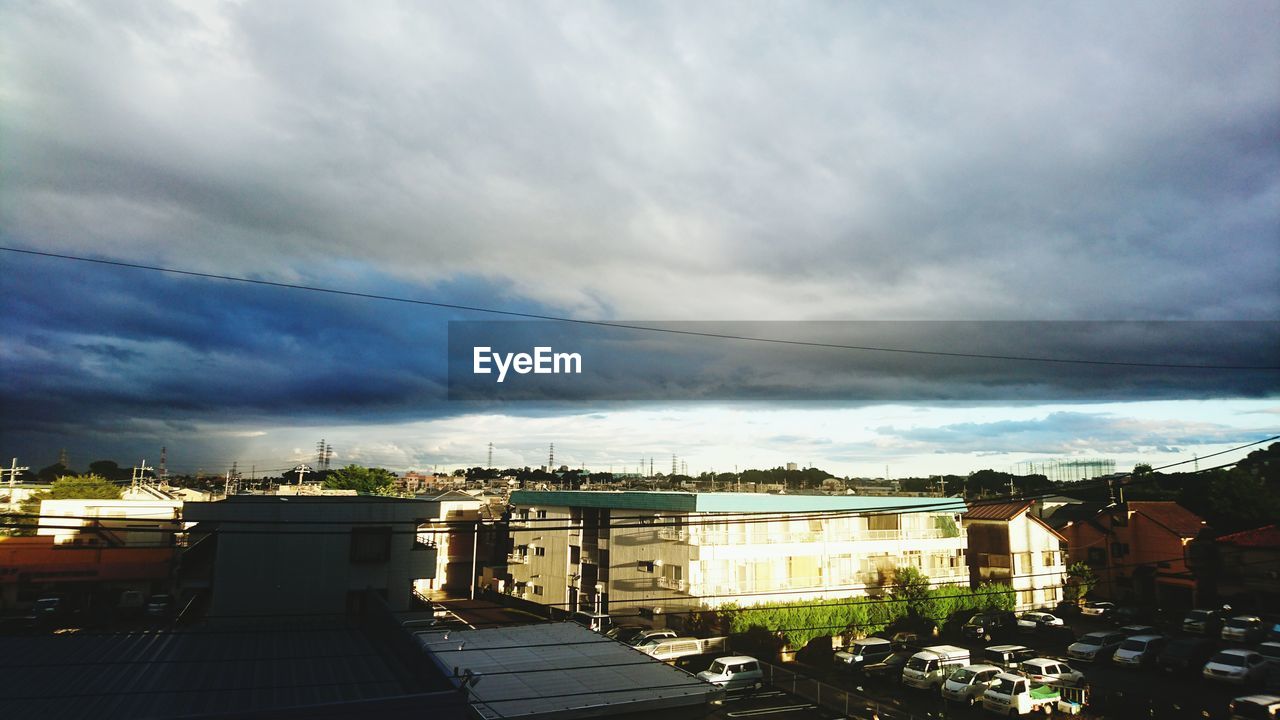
<point x="671" y="583"/>
<point x="517" y="559"/>
<point x="676" y="534"/>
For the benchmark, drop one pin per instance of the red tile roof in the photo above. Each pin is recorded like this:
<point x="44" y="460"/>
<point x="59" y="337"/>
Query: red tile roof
<point x="1173" y="516"/>
<point x="1268" y="537"/>
<point x="998" y="511"/>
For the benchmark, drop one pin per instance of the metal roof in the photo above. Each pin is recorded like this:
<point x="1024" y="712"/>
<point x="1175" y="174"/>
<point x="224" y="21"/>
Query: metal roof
<point x="561" y="669"/>
<point x="729" y="502"/>
<point x="203" y="671"/>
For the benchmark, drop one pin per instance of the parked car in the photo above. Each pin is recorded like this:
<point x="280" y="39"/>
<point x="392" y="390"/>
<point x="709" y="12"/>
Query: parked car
<point x="49" y="607"/>
<point x="735" y="672"/>
<point x="650" y="637"/>
<point x="1097" y="609"/>
<point x="930" y="667"/>
<point x="1274" y="632"/>
<point x="624" y="633"/>
<point x="1131" y="615"/>
<point x="1048" y="670"/>
<point x="890" y="669"/>
<point x="159" y="605"/>
<point x="1014" y="695"/>
<point x="1095" y="646"/>
<point x="1255" y="707"/>
<point x="1138" y="651"/>
<point x="967" y="684"/>
<point x="861" y="653"/>
<point x="1185" y="653"/>
<point x="990" y="625"/>
<point x="1243" y="628"/>
<point x="1035" y="621"/>
<point x="672" y="649"/>
<point x="1131" y="630"/>
<point x="1271" y="652"/>
<point x="1202" y="622"/>
<point x="130" y="602"/>
<point x="1235" y="666"/>
<point x="1066" y="609"/>
<point x="1007" y="657"/>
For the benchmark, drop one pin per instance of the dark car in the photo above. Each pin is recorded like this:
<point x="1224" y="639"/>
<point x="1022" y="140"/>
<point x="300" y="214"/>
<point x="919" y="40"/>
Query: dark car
<point x="1066" y="609"/>
<point x="625" y="633"/>
<point x="1202" y="622"/>
<point x="1131" y="615"/>
<point x="990" y="625"/>
<point x="890" y="669"/>
<point x="1185" y="654"/>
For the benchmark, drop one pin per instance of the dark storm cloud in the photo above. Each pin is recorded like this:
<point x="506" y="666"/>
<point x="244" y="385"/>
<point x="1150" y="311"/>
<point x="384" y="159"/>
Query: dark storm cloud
<point x="796" y="161"/>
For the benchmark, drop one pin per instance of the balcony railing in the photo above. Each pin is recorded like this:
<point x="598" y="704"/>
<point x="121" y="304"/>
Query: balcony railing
<point x="670" y="583"/>
<point x="678" y="534"/>
<point x="517" y="558"/>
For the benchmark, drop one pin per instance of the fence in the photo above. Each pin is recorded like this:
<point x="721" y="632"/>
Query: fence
<point x="830" y="697"/>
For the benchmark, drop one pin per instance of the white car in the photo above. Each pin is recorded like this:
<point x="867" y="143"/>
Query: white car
<point x="1047" y="670"/>
<point x="1138" y="650"/>
<point x="735" y="672"/>
<point x="1235" y="666"/>
<point x="968" y="684"/>
<point x="1032" y="621"/>
<point x="1097" y="608"/>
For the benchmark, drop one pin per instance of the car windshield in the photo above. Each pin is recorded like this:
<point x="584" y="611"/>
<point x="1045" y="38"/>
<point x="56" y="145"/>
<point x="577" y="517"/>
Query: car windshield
<point x="1133" y="645"/>
<point x="923" y="664"/>
<point x="1198" y="615"/>
<point x="1240" y="623"/>
<point x="977" y="619"/>
<point x="1090" y="639"/>
<point x="1229" y="659"/>
<point x="860" y="649"/>
<point x="717" y="668"/>
<point x="963" y="676"/>
<point x="1006" y="685"/>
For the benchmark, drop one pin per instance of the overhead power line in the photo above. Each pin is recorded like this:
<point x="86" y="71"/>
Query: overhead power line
<point x="628" y="326"/>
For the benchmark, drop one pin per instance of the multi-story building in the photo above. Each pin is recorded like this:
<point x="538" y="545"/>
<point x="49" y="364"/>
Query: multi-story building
<point x="454" y="531"/>
<point x="1009" y="544"/>
<point x="632" y="549"/>
<point x="1138" y="551"/>
<point x="125" y="522"/>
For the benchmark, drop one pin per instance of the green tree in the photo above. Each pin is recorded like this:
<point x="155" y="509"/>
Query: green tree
<point x="1080" y="580"/>
<point x="912" y="587"/>
<point x="366" y="481"/>
<point x="67" y="488"/>
<point x="1142" y="469"/>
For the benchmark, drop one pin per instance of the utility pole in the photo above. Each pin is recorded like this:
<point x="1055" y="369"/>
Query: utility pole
<point x="13" y="471"/>
<point x="140" y="474"/>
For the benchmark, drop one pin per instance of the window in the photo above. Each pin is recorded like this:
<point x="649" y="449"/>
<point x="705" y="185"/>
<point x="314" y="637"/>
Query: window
<point x="1051" y="594"/>
<point x="1024" y="562"/>
<point x="539" y="551"/>
<point x="370" y="544"/>
<point x="541" y="514"/>
<point x="537" y="589"/>
<point x="882" y="522"/>
<point x="1026" y="597"/>
<point x="1050" y="558"/>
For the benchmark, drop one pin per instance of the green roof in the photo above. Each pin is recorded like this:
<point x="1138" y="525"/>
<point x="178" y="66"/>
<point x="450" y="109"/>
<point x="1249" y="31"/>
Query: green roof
<point x="729" y="502"/>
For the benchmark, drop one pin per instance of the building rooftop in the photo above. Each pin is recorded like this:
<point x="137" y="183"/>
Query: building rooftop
<point x="998" y="511"/>
<point x="1263" y="537"/>
<point x="562" y="670"/>
<point x="212" y="672"/>
<point x="729" y="502"/>
<point x="1171" y="515"/>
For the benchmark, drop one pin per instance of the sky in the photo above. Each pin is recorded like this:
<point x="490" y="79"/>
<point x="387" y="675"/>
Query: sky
<point x="1088" y="182"/>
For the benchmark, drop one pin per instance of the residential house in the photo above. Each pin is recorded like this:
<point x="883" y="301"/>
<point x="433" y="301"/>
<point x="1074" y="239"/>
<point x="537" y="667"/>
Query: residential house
<point x="1137" y="549"/>
<point x="1009" y="543"/>
<point x="658" y="549"/>
<point x="1241" y="568"/>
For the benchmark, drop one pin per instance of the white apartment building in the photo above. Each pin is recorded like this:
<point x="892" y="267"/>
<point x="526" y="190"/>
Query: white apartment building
<point x="453" y="531"/>
<point x="1008" y="543"/>
<point x="138" y="521"/>
<point x="614" y="550"/>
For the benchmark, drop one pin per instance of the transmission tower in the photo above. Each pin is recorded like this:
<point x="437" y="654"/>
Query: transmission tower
<point x="164" y="472"/>
<point x="490" y="465"/>
<point x="551" y="458"/>
<point x="328" y="455"/>
<point x="673" y="463"/>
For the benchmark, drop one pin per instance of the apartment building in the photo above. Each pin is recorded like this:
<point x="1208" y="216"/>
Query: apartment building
<point x="613" y="550"/>
<point x="454" y="531"/>
<point x="1009" y="543"/>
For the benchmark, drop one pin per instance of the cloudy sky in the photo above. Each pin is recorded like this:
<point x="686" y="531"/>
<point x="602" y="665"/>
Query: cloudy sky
<point x="779" y="162"/>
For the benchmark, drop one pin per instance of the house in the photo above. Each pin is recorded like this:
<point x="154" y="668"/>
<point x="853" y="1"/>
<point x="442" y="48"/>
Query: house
<point x="271" y="555"/>
<point x="1137" y="549"/>
<point x="454" y="531"/>
<point x="1241" y="568"/>
<point x="1009" y="543"/>
<point x="648" y="550"/>
<point x="137" y="521"/>
<point x="39" y="566"/>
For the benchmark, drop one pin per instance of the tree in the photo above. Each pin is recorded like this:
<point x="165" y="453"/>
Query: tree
<point x="912" y="587"/>
<point x="1142" y="469"/>
<point x="366" y="481"/>
<point x="66" y="488"/>
<point x="1080" y="580"/>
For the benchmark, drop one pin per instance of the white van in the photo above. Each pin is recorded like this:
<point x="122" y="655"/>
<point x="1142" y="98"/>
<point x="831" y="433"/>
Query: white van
<point x="735" y="672"/>
<point x="929" y="668"/>
<point x="671" y="649"/>
<point x="1138" y="651"/>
